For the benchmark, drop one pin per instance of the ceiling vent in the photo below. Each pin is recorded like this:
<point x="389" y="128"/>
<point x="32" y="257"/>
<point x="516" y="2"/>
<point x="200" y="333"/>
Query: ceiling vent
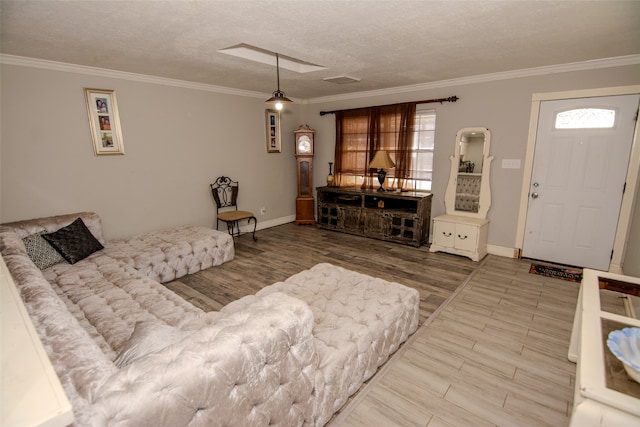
<point x="341" y="80"/>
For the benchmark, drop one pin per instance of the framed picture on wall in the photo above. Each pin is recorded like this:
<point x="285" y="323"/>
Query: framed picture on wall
<point x="104" y="121"/>
<point x="273" y="131"/>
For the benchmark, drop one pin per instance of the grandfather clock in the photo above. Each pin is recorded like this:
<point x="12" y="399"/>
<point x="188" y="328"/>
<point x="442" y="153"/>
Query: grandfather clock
<point x="304" y="159"/>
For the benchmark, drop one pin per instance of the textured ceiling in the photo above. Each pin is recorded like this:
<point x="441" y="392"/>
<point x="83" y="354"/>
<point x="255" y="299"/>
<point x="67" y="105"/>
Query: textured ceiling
<point x="386" y="44"/>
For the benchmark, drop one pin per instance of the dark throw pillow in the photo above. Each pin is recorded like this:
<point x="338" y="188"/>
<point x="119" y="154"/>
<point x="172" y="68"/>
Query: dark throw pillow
<point x="41" y="252"/>
<point x="74" y="242"/>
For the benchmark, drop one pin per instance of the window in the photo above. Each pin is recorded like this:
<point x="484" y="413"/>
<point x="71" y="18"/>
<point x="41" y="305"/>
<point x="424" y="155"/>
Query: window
<point x="359" y="133"/>
<point x="422" y="150"/>
<point x="351" y="167"/>
<point x="586" y="118"/>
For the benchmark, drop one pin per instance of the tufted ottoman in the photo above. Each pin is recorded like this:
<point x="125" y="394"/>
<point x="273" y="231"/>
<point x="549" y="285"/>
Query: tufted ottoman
<point x="359" y="321"/>
<point x="171" y="253"/>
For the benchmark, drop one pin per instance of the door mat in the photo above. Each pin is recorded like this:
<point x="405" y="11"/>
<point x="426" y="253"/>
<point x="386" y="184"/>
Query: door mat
<point x="570" y="274"/>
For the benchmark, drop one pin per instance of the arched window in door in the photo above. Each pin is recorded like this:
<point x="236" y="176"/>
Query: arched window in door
<point x="586" y="118"/>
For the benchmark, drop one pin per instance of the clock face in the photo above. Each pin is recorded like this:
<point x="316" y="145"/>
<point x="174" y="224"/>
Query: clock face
<point x="304" y="144"/>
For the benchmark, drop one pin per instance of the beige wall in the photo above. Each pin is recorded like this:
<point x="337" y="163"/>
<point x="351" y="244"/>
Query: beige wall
<point x="502" y="106"/>
<point x="177" y="140"/>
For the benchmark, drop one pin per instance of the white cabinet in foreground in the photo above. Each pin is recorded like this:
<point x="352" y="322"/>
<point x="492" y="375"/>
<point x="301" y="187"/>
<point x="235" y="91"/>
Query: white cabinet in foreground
<point x="460" y="235"/>
<point x="605" y="396"/>
<point x="30" y="391"/>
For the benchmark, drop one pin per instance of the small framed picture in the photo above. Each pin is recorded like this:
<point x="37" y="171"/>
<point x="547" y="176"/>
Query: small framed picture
<point x="104" y="121"/>
<point x="273" y="131"/>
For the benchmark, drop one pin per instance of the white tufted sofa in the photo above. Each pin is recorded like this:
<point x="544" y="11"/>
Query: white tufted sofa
<point x="290" y="355"/>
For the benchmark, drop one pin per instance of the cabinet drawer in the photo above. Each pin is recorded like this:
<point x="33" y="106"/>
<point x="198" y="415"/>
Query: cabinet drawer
<point x="444" y="233"/>
<point x="376" y="226"/>
<point x="349" y="219"/>
<point x="466" y="237"/>
<point x="404" y="226"/>
<point x="327" y="215"/>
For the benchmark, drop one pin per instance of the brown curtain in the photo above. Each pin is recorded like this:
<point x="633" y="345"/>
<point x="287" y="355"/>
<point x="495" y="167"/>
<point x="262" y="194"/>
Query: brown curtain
<point x="360" y="133"/>
<point x="352" y="146"/>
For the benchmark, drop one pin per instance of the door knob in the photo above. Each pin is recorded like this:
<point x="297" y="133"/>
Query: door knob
<point x="534" y="195"/>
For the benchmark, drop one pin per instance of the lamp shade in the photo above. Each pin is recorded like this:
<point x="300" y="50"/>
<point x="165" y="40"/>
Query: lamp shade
<point x="382" y="160"/>
<point x="278" y="99"/>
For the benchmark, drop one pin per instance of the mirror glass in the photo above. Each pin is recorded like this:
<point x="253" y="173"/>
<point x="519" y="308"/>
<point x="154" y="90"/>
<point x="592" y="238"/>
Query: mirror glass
<point x="470" y="161"/>
<point x="471" y="152"/>
<point x="468" y="192"/>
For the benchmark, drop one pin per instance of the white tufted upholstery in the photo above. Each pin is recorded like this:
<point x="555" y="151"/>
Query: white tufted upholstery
<point x="468" y="193"/>
<point x="289" y="356"/>
<point x="253" y="364"/>
<point x="359" y="321"/>
<point x="163" y="255"/>
<point x="172" y="253"/>
<point x="52" y="223"/>
<point x="108" y="297"/>
<point x="252" y="367"/>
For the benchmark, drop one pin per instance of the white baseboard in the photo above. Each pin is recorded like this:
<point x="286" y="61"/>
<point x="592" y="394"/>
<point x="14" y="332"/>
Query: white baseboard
<point x="248" y="228"/>
<point x="502" y="251"/>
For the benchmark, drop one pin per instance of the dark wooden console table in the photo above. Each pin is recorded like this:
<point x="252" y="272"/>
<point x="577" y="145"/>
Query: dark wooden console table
<point x="399" y="217"/>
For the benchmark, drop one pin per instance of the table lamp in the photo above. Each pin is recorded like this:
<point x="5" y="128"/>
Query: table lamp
<point x="381" y="161"/>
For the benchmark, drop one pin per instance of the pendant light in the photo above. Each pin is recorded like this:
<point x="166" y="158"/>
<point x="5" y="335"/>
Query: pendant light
<point x="278" y="98"/>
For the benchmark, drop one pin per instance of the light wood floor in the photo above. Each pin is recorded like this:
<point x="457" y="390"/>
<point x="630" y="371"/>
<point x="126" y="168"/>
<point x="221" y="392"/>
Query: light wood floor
<point x="495" y="355"/>
<point x="492" y="348"/>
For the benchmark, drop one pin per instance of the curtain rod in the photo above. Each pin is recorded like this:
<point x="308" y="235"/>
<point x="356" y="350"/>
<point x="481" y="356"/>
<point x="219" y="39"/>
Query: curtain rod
<point x="426" y="101"/>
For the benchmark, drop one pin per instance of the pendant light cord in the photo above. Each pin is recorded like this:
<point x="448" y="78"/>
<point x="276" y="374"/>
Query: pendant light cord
<point x="278" y="70"/>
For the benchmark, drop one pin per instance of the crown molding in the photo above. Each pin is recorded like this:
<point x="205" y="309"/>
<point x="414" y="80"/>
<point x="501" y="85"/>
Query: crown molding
<point x="103" y="72"/>
<point x="528" y="72"/>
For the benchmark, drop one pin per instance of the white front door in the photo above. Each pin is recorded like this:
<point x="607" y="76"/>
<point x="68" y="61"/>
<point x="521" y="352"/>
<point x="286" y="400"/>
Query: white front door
<point x="580" y="165"/>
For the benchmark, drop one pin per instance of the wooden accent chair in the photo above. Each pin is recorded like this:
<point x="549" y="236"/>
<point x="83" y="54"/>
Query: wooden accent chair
<point x="225" y="194"/>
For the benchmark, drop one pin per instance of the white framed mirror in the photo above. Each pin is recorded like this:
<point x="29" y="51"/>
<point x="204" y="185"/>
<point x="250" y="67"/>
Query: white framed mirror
<point x="469" y="191"/>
